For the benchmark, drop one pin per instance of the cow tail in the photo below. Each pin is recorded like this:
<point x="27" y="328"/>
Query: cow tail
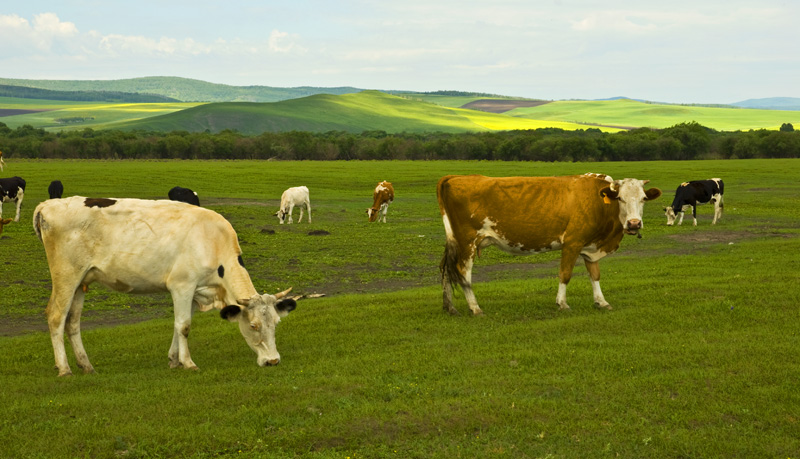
<point x="38" y="221"/>
<point x="449" y="264"/>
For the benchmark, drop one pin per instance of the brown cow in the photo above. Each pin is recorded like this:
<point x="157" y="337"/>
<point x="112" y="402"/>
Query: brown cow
<point x="383" y="196"/>
<point x="581" y="215"/>
<point x="4" y="222"/>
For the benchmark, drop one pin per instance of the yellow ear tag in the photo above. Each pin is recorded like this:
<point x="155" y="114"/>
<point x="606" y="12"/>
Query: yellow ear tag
<point x="605" y="199"/>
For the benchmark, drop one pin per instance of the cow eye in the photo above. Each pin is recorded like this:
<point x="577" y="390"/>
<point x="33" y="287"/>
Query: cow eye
<point x="254" y="326"/>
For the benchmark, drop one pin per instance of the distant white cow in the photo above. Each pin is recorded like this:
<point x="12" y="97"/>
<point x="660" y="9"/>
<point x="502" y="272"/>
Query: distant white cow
<point x="145" y="246"/>
<point x="296" y="196"/>
<point x="2" y="163"/>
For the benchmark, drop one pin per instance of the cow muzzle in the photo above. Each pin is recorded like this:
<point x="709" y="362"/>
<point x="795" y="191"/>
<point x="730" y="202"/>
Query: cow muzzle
<point x="269" y="362"/>
<point x="633" y="226"/>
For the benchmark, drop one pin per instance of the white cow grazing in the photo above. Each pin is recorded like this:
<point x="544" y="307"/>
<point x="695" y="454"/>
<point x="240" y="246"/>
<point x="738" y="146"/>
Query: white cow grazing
<point x="296" y="196"/>
<point x="142" y="246"/>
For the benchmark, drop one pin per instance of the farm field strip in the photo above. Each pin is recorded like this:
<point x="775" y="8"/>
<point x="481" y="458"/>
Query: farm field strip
<point x="697" y="358"/>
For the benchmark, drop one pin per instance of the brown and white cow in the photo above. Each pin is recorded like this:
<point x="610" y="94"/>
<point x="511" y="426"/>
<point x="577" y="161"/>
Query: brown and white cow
<point x="382" y="197"/>
<point x="581" y="215"/>
<point x="143" y="246"/>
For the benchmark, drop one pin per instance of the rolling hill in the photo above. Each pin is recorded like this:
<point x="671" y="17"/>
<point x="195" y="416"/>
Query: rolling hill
<point x="364" y="111"/>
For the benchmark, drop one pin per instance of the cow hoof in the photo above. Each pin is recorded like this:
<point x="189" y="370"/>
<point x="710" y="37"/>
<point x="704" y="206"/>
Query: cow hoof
<point x="564" y="307"/>
<point x="451" y="310"/>
<point x="477" y="312"/>
<point x="68" y="372"/>
<point x="606" y="306"/>
<point x="175" y="365"/>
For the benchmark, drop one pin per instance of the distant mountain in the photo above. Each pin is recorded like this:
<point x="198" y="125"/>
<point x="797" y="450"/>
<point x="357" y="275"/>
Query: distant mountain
<point x="771" y="103"/>
<point x="182" y="89"/>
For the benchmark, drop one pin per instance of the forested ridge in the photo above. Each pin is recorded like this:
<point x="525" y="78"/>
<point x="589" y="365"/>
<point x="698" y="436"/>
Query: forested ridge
<point x="683" y="141"/>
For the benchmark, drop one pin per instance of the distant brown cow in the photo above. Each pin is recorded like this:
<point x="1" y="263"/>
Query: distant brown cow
<point x="581" y="215"/>
<point x="4" y="222"/>
<point x="382" y="196"/>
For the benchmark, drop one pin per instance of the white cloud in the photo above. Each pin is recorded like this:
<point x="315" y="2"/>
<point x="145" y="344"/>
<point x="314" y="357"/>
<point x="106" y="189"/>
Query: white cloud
<point x="283" y="42"/>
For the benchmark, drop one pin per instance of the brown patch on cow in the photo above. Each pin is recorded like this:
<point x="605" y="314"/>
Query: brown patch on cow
<point x="502" y="105"/>
<point x="99" y="202"/>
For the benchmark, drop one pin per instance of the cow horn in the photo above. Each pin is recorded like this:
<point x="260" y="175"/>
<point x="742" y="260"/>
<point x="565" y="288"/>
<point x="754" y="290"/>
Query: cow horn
<point x="644" y="182"/>
<point x="282" y="294"/>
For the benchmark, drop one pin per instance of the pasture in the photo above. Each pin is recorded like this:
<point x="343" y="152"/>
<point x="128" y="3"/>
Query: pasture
<point x="697" y="359"/>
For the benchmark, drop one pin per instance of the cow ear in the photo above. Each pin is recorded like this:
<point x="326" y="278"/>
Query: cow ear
<point x="230" y="311"/>
<point x="244" y="301"/>
<point x="652" y="193"/>
<point x="286" y="306"/>
<point x="607" y="192"/>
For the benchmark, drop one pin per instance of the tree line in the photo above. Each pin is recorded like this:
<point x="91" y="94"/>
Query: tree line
<point x="683" y="141"/>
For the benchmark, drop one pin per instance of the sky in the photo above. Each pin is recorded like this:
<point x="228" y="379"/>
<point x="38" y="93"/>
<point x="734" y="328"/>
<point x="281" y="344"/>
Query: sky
<point x="679" y="51"/>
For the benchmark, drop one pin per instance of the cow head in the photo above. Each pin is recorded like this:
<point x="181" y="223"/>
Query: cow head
<point x="372" y="213"/>
<point x="671" y="214"/>
<point x="281" y="214"/>
<point x="257" y="317"/>
<point x="3" y="222"/>
<point x="631" y="195"/>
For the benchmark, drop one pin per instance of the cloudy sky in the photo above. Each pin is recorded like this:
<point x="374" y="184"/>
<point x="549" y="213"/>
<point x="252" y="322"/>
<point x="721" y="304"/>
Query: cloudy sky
<point x="700" y="51"/>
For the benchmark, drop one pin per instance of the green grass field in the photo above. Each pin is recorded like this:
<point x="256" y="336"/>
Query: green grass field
<point x="697" y="359"/>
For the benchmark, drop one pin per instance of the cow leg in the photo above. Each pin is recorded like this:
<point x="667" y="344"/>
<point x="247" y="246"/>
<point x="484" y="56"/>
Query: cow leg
<point x="73" y="329"/>
<point x="694" y="214"/>
<point x="680" y="221"/>
<point x="594" y="274"/>
<point x="291" y="209"/>
<point x="57" y="311"/>
<point x="308" y="206"/>
<point x="300" y="218"/>
<point x="466" y="286"/>
<point x="384" y="210"/>
<point x="717" y="208"/>
<point x="179" y="351"/>
<point x="20" y="195"/>
<point x="568" y="258"/>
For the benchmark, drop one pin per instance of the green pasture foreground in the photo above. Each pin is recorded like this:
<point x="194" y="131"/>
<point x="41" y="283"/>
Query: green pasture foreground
<point x="697" y="359"/>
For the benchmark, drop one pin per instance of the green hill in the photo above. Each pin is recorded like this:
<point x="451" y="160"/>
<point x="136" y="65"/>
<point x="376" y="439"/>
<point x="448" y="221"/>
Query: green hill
<point x="181" y="89"/>
<point x="631" y="113"/>
<point x="364" y="111"/>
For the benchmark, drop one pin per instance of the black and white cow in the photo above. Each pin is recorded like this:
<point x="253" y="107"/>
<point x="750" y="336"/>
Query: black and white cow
<point x="690" y="194"/>
<point x="184" y="195"/>
<point x="12" y="189"/>
<point x="56" y="189"/>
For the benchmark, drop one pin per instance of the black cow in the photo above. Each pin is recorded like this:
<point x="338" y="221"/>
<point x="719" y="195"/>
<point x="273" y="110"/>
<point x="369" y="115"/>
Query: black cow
<point x="689" y="194"/>
<point x="12" y="189"/>
<point x="184" y="195"/>
<point x="56" y="189"/>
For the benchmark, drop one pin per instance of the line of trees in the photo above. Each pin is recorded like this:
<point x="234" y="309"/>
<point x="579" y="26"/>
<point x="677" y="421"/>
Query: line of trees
<point x="680" y="142"/>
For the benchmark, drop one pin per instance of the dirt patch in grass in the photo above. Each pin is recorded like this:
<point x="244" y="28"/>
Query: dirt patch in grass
<point x="502" y="105"/>
<point x="19" y="111"/>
